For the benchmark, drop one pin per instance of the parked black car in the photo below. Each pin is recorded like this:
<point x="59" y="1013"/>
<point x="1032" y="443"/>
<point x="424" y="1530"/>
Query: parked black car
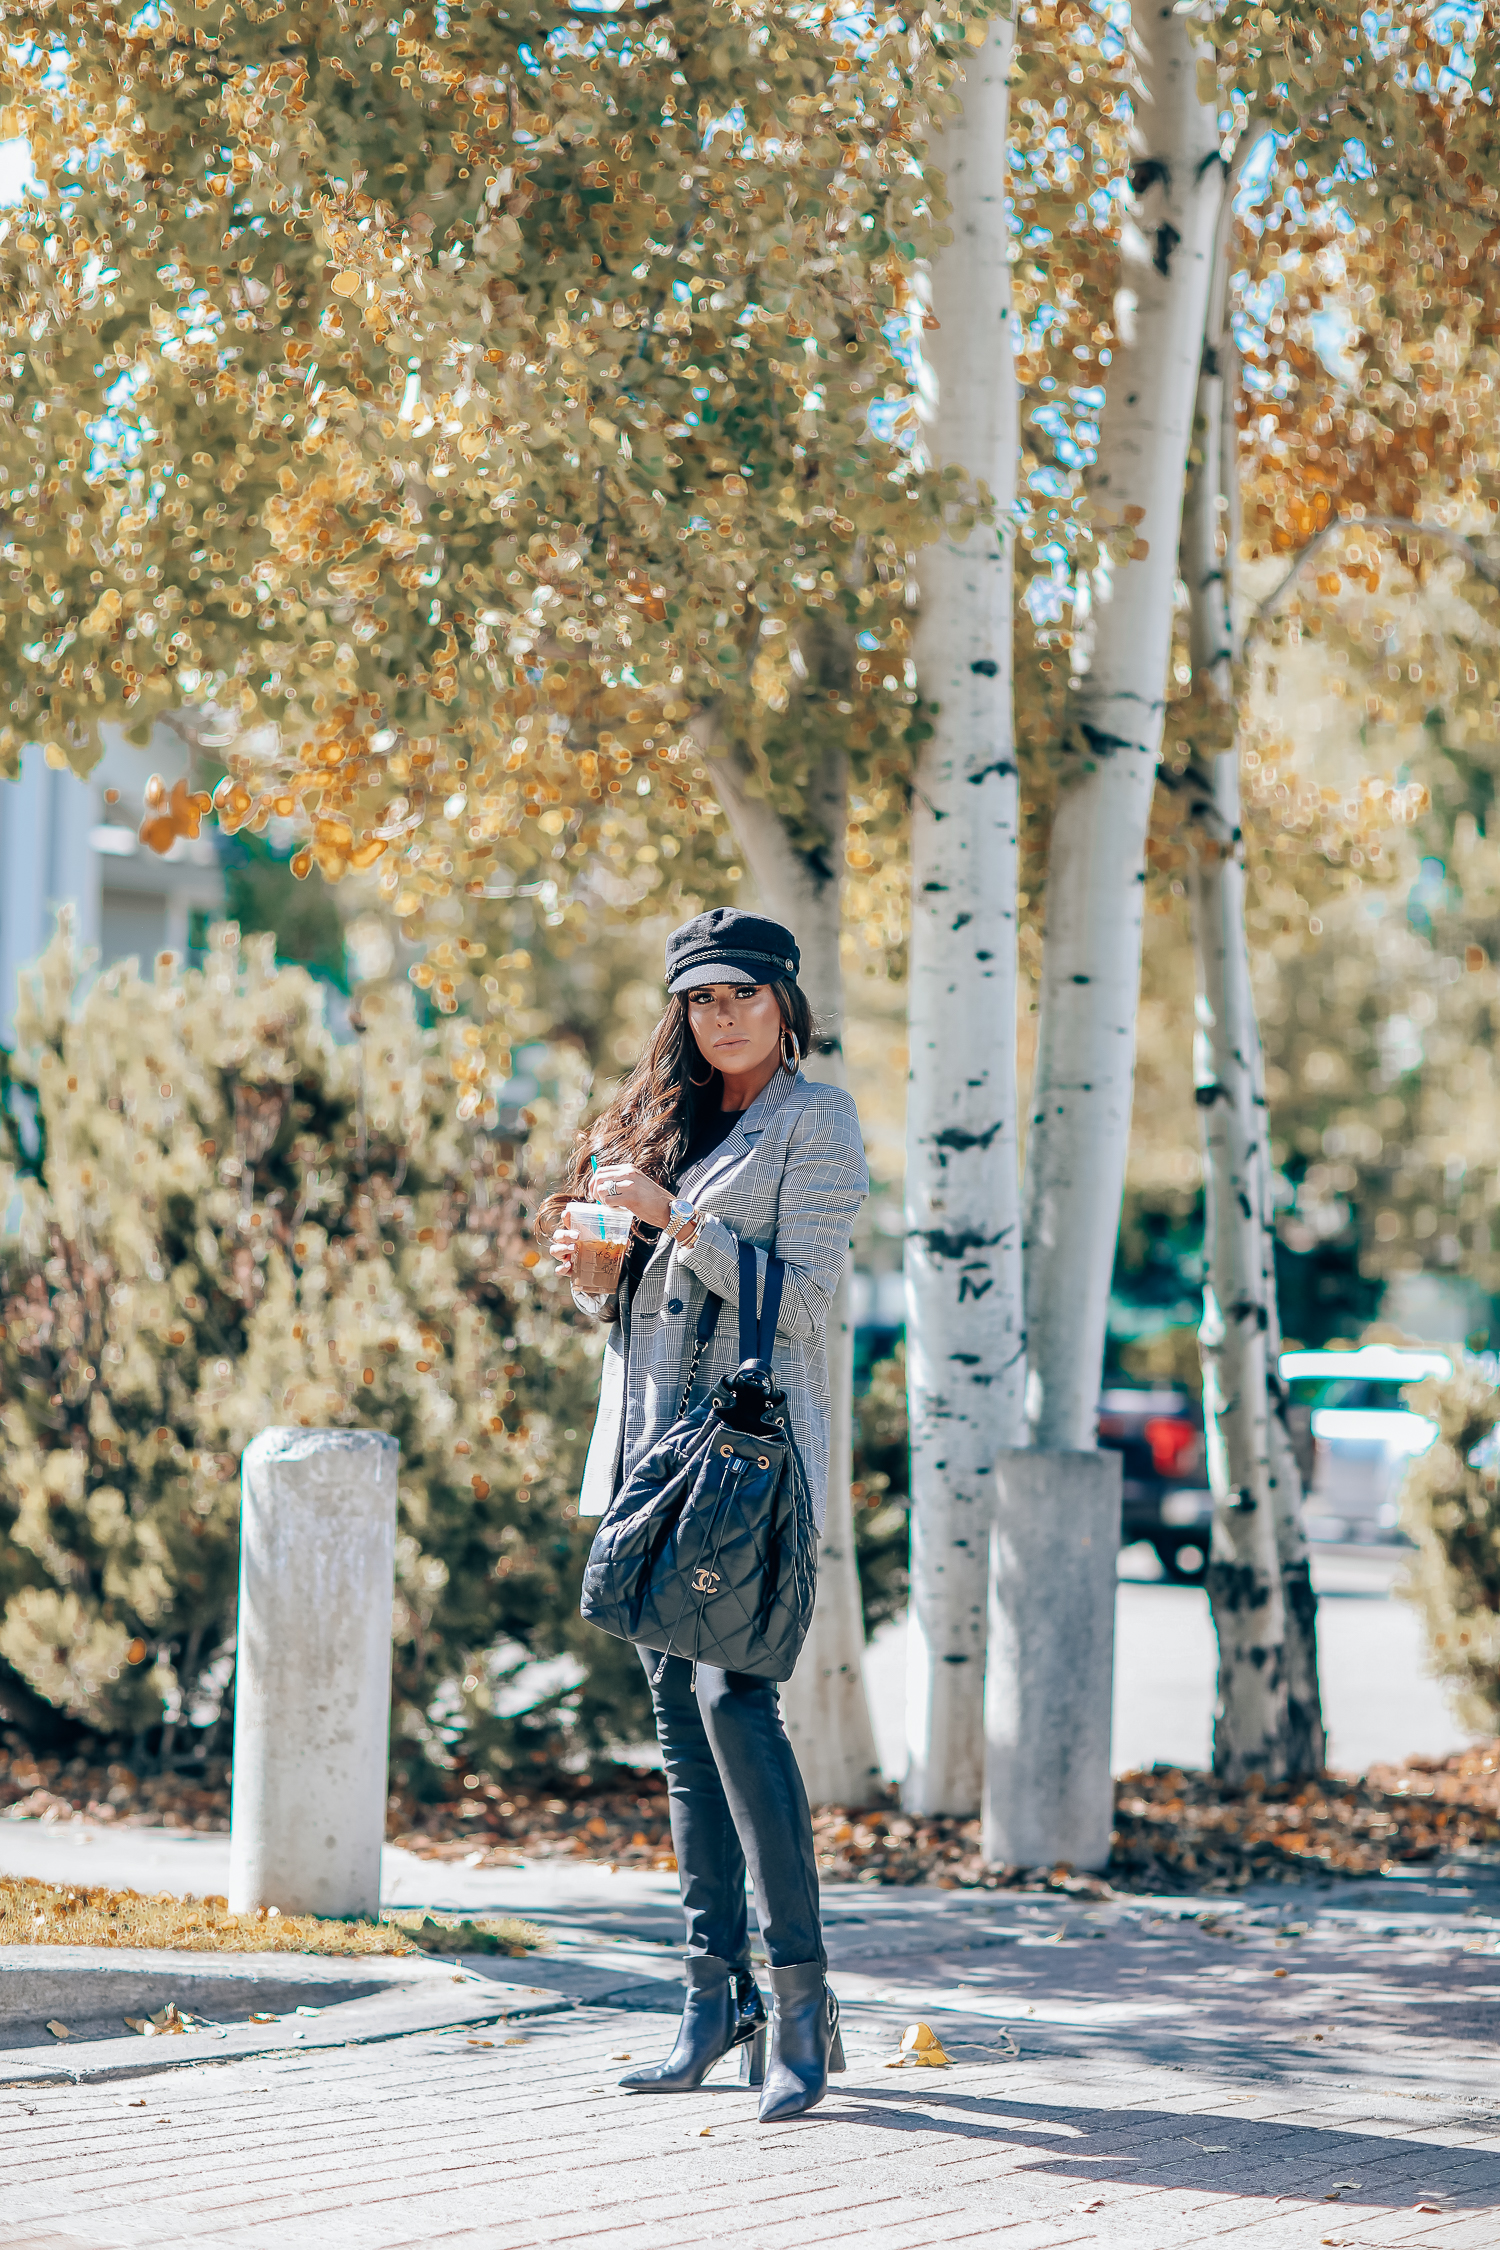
<point x="1164" y="1482"/>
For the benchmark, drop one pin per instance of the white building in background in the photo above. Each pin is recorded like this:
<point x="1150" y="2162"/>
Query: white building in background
<point x="66" y="841"/>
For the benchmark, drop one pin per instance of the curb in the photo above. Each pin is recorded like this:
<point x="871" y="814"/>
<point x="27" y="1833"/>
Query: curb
<point x="422" y="1999"/>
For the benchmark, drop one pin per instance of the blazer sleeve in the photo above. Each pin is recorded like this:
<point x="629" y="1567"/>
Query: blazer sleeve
<point x="824" y="1181"/>
<point x="602" y="1309"/>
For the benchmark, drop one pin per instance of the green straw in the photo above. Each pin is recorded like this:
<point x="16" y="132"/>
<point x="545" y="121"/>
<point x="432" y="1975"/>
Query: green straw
<point x="593" y="1167"/>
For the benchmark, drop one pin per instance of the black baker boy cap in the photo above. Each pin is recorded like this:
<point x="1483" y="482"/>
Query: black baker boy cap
<point x="726" y="946"/>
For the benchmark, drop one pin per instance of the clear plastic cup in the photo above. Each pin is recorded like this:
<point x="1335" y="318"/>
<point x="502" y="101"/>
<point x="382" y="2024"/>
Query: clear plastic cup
<point x="603" y="1232"/>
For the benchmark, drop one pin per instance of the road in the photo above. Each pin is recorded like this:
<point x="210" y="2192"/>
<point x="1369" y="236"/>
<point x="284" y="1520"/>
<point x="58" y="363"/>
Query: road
<point x="1377" y="1698"/>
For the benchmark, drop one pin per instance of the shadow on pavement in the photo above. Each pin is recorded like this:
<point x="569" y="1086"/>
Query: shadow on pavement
<point x="1228" y="2155"/>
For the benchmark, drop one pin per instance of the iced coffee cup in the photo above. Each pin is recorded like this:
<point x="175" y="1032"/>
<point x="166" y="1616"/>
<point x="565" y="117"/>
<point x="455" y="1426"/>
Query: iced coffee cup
<point x="599" y="1252"/>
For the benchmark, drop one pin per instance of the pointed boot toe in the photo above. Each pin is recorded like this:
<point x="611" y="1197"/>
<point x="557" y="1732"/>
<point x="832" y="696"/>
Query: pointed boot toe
<point x="805" y="2042"/>
<point x="721" y="2009"/>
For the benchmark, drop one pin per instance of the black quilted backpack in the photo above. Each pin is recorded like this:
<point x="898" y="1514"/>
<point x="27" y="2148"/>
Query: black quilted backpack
<point x="708" y="1550"/>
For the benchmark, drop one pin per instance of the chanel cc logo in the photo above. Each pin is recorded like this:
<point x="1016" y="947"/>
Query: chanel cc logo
<point x="705" y="1581"/>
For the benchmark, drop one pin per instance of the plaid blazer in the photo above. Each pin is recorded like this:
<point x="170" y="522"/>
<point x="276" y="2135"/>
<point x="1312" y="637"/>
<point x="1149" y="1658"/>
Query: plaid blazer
<point x="789" y="1178"/>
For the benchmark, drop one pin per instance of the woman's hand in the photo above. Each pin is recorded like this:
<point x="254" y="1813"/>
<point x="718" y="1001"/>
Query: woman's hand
<point x="561" y="1248"/>
<point x="628" y="1189"/>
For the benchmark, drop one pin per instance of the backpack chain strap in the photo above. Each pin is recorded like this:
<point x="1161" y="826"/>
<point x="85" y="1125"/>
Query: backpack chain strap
<point x="757" y="1337"/>
<point x="708" y="1321"/>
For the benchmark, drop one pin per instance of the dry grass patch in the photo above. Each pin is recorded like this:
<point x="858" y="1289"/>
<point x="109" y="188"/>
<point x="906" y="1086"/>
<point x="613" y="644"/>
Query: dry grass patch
<point x="33" y="1913"/>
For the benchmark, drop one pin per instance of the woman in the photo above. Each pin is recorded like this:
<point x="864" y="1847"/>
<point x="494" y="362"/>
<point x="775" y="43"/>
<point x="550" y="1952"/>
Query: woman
<point x="717" y="1138"/>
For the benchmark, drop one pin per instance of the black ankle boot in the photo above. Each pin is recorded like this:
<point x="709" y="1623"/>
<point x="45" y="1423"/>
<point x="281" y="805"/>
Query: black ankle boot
<point x="805" y="2042"/>
<point x="722" y="2009"/>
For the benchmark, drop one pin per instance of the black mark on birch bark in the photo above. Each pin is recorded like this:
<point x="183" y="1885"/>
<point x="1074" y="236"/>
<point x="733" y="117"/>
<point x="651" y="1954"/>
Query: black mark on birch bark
<point x="954" y="1137"/>
<point x="986" y="667"/>
<point x="1237" y="1587"/>
<point x="1100" y="743"/>
<point x="938" y="1243"/>
<point x="1167" y="239"/>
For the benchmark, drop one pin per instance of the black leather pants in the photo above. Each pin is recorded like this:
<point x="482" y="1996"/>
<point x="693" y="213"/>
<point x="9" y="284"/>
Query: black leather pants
<point x="736" y="1796"/>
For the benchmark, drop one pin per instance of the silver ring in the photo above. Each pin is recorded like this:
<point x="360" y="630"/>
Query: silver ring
<point x="608" y="1193"/>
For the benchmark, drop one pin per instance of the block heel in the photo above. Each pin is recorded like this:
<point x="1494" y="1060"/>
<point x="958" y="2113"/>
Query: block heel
<point x="753" y="2060"/>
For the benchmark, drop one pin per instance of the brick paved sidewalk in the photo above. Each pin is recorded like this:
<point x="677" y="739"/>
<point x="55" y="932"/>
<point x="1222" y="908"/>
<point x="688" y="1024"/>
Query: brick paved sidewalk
<point x="1298" y="2069"/>
<point x="438" y="2140"/>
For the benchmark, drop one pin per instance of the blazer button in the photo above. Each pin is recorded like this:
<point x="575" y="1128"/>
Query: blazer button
<point x="674" y="1304"/>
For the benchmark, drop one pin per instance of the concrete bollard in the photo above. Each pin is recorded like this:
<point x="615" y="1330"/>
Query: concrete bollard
<point x="312" y="1698"/>
<point x="1049" y="1677"/>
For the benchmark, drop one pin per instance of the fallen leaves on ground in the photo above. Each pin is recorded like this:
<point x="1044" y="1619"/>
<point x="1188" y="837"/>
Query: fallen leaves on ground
<point x="170" y="2021"/>
<point x="33" y="1913"/>
<point x="1174" y="1830"/>
<point x="54" y="1789"/>
<point x="494" y="1823"/>
<point x="506" y="1937"/>
<point x="920" y="2045"/>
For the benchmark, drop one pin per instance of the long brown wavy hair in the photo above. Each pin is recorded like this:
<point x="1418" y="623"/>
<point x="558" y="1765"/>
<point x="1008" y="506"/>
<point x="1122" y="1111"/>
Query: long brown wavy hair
<point x="651" y="1119"/>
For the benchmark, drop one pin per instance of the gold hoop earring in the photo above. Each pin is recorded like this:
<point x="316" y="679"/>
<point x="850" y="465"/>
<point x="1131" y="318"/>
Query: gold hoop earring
<point x="795" y="1064"/>
<point x="700" y="1082"/>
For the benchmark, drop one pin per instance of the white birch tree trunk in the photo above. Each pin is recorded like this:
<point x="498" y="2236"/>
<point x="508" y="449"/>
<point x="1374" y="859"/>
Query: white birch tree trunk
<point x="1268" y="1717"/>
<point x="1244" y="1573"/>
<point x="964" y="1333"/>
<point x="823" y="1704"/>
<point x="1307" y="1741"/>
<point x="1082" y="1089"/>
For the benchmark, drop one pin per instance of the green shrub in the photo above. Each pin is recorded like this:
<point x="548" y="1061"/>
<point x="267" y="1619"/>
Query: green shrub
<point x="225" y="1220"/>
<point x="882" y="1492"/>
<point x="1450" y="1505"/>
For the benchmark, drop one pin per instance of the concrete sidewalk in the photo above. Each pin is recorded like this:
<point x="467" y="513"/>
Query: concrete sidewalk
<point x="1295" y="2067"/>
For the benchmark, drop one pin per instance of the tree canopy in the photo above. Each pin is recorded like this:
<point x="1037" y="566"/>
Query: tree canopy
<point x="459" y="406"/>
